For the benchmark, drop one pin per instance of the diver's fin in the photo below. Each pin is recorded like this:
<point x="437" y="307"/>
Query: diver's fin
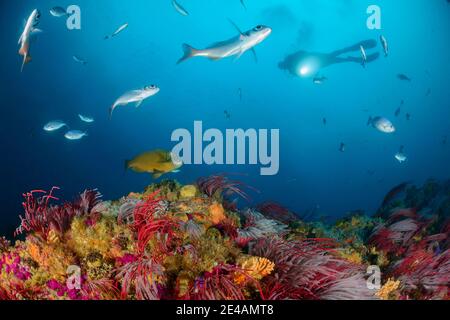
<point x="188" y="52"/>
<point x="237" y="28"/>
<point x="367" y="44"/>
<point x="370" y="58"/>
<point x="139" y="103"/>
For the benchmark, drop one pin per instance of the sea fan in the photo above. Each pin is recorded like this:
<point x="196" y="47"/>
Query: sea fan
<point x="257" y="226"/>
<point x="86" y="202"/>
<point x="41" y="217"/>
<point x="398" y="232"/>
<point x="276" y="211"/>
<point x="38" y="213"/>
<point x="222" y="184"/>
<point x="141" y="277"/>
<point x="148" y="225"/>
<point x="424" y="271"/>
<point x="126" y="211"/>
<point x="309" y="270"/>
<point x="220" y="284"/>
<point x="100" y="289"/>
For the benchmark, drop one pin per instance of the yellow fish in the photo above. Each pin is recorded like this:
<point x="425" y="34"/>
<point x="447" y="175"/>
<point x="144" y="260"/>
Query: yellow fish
<point x="157" y="163"/>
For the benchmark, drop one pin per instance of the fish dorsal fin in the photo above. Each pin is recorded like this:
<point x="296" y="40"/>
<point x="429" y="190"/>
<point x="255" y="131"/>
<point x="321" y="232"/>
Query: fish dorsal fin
<point x="242" y="35"/>
<point x="36" y="31"/>
<point x="254" y="54"/>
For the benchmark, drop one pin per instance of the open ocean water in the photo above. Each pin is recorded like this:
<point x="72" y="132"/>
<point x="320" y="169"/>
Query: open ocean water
<point x="330" y="160"/>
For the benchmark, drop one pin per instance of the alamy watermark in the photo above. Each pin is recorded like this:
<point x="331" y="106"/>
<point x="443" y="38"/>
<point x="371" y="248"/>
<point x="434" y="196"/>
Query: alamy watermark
<point x="374" y="19"/>
<point x="374" y="277"/>
<point x="73" y="21"/>
<point x="234" y="147"/>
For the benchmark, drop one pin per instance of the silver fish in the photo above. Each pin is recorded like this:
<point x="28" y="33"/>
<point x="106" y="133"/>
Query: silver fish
<point x="75" y="135"/>
<point x="58" y="12"/>
<point x="54" y="125"/>
<point x="400" y="155"/>
<point x="179" y="8"/>
<point x="235" y="46"/>
<point x="363" y="55"/>
<point x="385" y="45"/>
<point x="134" y="96"/>
<point x="29" y="30"/>
<point x="381" y="124"/>
<point x="86" y="119"/>
<point x="119" y="30"/>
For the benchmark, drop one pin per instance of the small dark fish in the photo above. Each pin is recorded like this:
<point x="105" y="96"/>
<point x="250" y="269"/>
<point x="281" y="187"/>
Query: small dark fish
<point x="444" y="139"/>
<point x="342" y="147"/>
<point x="394" y="192"/>
<point x="402" y="102"/>
<point x="408" y="116"/>
<point x="397" y="112"/>
<point x="428" y="92"/>
<point x="370" y="172"/>
<point x="403" y="77"/>
<point x="227" y="114"/>
<point x="319" y="80"/>
<point x="324" y="120"/>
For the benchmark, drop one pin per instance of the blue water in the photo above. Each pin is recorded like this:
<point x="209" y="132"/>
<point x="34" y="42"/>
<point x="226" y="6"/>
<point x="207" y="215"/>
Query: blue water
<point x="313" y="173"/>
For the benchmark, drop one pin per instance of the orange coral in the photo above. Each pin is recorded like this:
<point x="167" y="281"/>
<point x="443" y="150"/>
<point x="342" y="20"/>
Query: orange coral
<point x="217" y="213"/>
<point x="255" y="267"/>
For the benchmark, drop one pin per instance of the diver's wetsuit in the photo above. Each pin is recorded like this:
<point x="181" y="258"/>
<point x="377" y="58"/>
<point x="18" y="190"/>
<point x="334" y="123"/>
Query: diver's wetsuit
<point x="303" y="63"/>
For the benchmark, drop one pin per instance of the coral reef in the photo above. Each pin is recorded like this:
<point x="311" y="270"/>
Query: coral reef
<point x="192" y="242"/>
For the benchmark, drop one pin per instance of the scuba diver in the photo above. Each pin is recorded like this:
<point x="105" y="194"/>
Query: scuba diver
<point x="306" y="64"/>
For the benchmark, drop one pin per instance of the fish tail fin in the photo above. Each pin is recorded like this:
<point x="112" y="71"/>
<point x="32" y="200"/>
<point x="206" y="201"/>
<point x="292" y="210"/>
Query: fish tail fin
<point x="188" y="52"/>
<point x="26" y="59"/>
<point x="370" y="121"/>
<point x="111" y="110"/>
